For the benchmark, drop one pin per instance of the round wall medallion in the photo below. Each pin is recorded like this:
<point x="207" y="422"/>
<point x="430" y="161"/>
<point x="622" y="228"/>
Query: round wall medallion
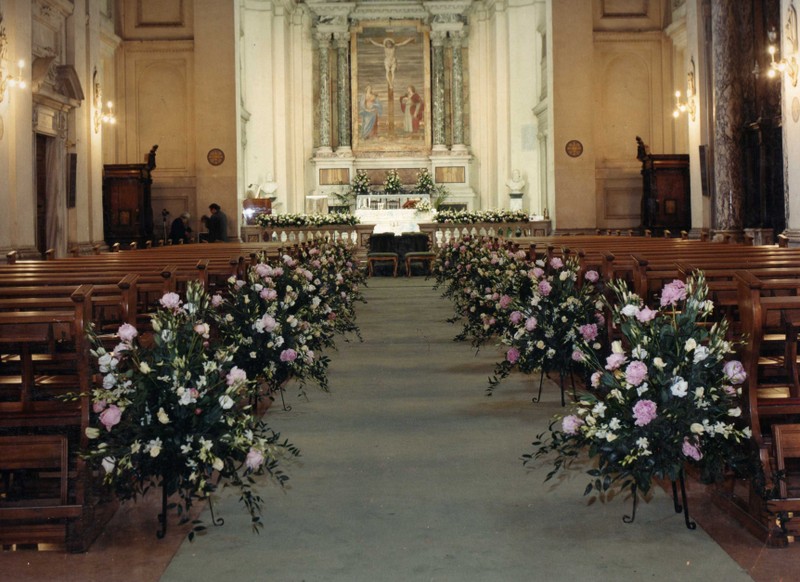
<point x="796" y="109"/>
<point x="574" y="148"/>
<point x="215" y="156"/>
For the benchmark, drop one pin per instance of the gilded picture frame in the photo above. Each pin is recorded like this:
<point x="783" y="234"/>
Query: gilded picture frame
<point x="390" y="87"/>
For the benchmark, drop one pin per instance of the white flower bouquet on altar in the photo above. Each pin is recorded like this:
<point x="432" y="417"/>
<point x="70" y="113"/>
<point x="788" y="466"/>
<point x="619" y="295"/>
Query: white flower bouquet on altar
<point x="170" y="410"/>
<point x="663" y="398"/>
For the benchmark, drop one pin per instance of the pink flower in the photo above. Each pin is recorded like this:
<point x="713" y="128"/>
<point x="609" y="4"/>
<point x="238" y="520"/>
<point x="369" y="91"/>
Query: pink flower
<point x="288" y="355"/>
<point x="545" y="288"/>
<point x="592" y="276"/>
<point x="644" y="411"/>
<point x="596" y="379"/>
<point x="254" y="459"/>
<point x="729" y="390"/>
<point x="588" y="331"/>
<point x="505" y="301"/>
<point x="577" y="356"/>
<point x="530" y="324"/>
<point x="601" y="320"/>
<point x="512" y="355"/>
<point x="170" y="301"/>
<point x="570" y="424"/>
<point x="216" y="300"/>
<point x="636" y="372"/>
<point x="99" y="406"/>
<point x="690" y="450"/>
<point x="537" y="272"/>
<point x="734" y="371"/>
<point x="263" y="270"/>
<point x="646" y="314"/>
<point x="556" y="263"/>
<point x="235" y="376"/>
<point x="202" y="329"/>
<point x="266" y="323"/>
<point x="673" y="292"/>
<point x="614" y="361"/>
<point x="127" y="332"/>
<point x="515" y="317"/>
<point x="268" y="294"/>
<point x="110" y="417"/>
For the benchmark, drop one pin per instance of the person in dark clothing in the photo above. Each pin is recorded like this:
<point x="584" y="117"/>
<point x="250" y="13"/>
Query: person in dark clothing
<point x="217" y="224"/>
<point x="180" y="230"/>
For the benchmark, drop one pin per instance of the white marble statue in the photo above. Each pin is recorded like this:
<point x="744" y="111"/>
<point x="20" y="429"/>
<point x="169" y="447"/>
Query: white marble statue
<point x="516" y="183"/>
<point x="269" y="187"/>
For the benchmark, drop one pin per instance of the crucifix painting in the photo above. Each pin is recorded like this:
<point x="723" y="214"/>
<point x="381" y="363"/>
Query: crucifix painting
<point x="390" y="86"/>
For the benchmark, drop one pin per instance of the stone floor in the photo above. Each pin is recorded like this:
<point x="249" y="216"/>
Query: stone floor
<point x="409" y="472"/>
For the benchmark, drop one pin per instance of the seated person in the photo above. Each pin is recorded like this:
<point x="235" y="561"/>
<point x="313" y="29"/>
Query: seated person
<point x="180" y="230"/>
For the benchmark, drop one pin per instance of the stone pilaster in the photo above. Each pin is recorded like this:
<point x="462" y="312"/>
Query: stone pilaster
<point x="437" y="42"/>
<point x="343" y="92"/>
<point x="323" y="40"/>
<point x="729" y="117"/>
<point x="456" y="40"/>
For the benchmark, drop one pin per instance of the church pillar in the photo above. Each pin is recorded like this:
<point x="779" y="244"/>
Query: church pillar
<point x="456" y="39"/>
<point x="437" y="41"/>
<point x="343" y="91"/>
<point x="324" y="94"/>
<point x="729" y="117"/>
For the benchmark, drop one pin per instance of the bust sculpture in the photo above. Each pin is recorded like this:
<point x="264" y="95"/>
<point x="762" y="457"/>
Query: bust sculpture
<point x="516" y="183"/>
<point x="269" y="187"/>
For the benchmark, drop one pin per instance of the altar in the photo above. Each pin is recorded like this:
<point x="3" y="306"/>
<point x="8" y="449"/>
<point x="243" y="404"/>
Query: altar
<point x="398" y="220"/>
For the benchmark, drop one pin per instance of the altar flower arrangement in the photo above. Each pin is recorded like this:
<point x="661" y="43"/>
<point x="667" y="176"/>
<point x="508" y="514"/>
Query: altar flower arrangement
<point x="665" y="396"/>
<point x="471" y="217"/>
<point x="423" y="206"/>
<point x="424" y="183"/>
<point x="392" y="184"/>
<point x="170" y="410"/>
<point x="559" y="328"/>
<point x="360" y="183"/>
<point x="284" y="220"/>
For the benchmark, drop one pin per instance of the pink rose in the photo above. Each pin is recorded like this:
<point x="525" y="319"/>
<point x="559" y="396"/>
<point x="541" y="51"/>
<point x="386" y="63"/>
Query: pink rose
<point x="596" y="379"/>
<point x="690" y="450"/>
<point x="538" y="272"/>
<point x="515" y="317"/>
<point x="288" y="355"/>
<point x="644" y="411"/>
<point x="570" y="424"/>
<point x="588" y="331"/>
<point x="99" y="406"/>
<point x="110" y="417"/>
<point x="263" y="270"/>
<point x="592" y="276"/>
<point x="646" y="314"/>
<point x="127" y="332"/>
<point x="216" y="300"/>
<point x="170" y="301"/>
<point x="556" y="263"/>
<point x="614" y="361"/>
<point x="254" y="459"/>
<point x="235" y="376"/>
<point x="545" y="288"/>
<point x="673" y="292"/>
<point x="202" y="329"/>
<point x="505" y="301"/>
<point x="734" y="371"/>
<point x="635" y="373"/>
<point x="530" y="324"/>
<point x="577" y="356"/>
<point x="268" y="294"/>
<point x="512" y="355"/>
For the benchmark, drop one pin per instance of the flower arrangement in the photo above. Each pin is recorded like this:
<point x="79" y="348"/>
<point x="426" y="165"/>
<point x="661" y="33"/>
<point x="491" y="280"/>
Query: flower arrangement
<point x="392" y="184"/>
<point x="170" y="411"/>
<point x="664" y="397"/>
<point x="423" y="206"/>
<point x="285" y="220"/>
<point x="471" y="217"/>
<point x="424" y="183"/>
<point x="559" y="327"/>
<point x="361" y="183"/>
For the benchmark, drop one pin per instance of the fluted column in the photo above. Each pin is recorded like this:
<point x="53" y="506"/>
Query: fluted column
<point x="437" y="42"/>
<point x="729" y="117"/>
<point x="456" y="39"/>
<point x="343" y="91"/>
<point x="324" y="94"/>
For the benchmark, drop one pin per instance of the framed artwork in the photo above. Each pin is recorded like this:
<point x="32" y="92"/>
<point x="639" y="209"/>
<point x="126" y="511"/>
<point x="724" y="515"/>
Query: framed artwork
<point x="390" y="86"/>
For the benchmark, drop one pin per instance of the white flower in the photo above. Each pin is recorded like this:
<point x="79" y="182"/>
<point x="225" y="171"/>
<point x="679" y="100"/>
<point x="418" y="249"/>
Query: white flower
<point x="144" y="368"/>
<point x="690" y="344"/>
<point x="735" y="411"/>
<point x="699" y="392"/>
<point x="697" y="428"/>
<point x="599" y="409"/>
<point x="611" y="437"/>
<point x="162" y="415"/>
<point x="91" y="432"/>
<point x="108" y="464"/>
<point x="109" y="381"/>
<point x="680" y="387"/>
<point x="154" y="447"/>
<point x="642" y="443"/>
<point x="639" y="353"/>
<point x="226" y="402"/>
<point x="629" y="310"/>
<point x="700" y="354"/>
<point x="614" y="424"/>
<point x="642" y="388"/>
<point x="218" y="464"/>
<point x="616" y="347"/>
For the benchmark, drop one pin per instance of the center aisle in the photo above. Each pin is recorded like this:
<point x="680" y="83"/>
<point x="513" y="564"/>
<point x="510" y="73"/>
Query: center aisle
<point x="409" y="472"/>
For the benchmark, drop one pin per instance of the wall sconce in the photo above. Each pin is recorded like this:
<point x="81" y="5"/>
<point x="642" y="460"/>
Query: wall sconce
<point x="102" y="113"/>
<point x="780" y="66"/>
<point x="17" y="80"/>
<point x="688" y="105"/>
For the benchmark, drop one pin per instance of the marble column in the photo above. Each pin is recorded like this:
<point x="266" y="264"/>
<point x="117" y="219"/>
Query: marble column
<point x="437" y="42"/>
<point x="324" y="94"/>
<point x="456" y="39"/>
<point x="343" y="92"/>
<point x="729" y="117"/>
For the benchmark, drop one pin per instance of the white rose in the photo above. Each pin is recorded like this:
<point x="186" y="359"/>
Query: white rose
<point x="162" y="415"/>
<point x="91" y="432"/>
<point x="218" y="464"/>
<point x="629" y="310"/>
<point x="680" y="387"/>
<point x="735" y="411"/>
<point x="690" y="344"/>
<point x="616" y="347"/>
<point x="697" y="428"/>
<point x="226" y="402"/>
<point x="144" y="368"/>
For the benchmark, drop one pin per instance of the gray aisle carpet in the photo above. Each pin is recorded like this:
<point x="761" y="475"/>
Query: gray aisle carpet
<point x="409" y="472"/>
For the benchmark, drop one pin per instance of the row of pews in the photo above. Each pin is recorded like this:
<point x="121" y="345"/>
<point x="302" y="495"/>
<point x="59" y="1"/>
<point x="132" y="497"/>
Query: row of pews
<point x="47" y="493"/>
<point x="757" y="288"/>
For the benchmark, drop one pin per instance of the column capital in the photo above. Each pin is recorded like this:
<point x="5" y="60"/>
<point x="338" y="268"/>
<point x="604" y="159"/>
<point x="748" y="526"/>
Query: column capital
<point x="322" y="38"/>
<point x="438" y="37"/>
<point x="341" y="39"/>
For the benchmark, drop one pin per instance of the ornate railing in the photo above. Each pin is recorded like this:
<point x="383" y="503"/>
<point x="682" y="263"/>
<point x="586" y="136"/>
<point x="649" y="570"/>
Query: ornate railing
<point x="443" y="233"/>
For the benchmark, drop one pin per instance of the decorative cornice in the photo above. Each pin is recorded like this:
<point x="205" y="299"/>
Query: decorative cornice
<point x="389" y="9"/>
